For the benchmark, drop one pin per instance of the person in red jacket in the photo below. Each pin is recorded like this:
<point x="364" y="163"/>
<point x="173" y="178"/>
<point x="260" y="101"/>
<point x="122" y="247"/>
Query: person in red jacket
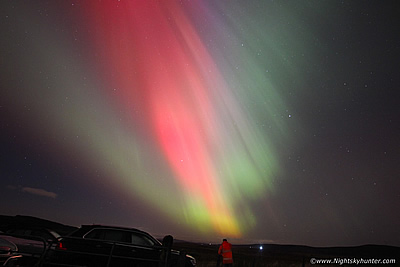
<point x="225" y="250"/>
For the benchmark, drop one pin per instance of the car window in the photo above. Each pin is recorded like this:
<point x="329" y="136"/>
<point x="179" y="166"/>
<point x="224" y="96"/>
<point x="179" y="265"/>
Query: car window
<point x="95" y="234"/>
<point x="18" y="231"/>
<point x="42" y="234"/>
<point x="141" y="240"/>
<point x="109" y="235"/>
<point x="31" y="232"/>
<point x="120" y="236"/>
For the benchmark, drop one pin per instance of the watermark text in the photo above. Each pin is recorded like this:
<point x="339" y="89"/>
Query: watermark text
<point x="356" y="261"/>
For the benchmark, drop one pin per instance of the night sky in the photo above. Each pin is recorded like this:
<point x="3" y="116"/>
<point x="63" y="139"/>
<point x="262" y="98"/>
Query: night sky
<point x="256" y="121"/>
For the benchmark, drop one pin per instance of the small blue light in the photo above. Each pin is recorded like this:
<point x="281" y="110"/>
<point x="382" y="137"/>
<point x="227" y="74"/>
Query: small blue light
<point x="261" y="247"/>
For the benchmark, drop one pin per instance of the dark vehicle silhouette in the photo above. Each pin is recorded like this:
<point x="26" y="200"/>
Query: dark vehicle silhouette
<point x="98" y="245"/>
<point x="47" y="234"/>
<point x="8" y="252"/>
<point x="20" y="250"/>
<point x="25" y="245"/>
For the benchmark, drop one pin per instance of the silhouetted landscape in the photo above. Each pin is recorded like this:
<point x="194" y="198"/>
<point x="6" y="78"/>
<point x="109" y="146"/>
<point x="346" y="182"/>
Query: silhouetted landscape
<point x="246" y="254"/>
<point x="289" y="255"/>
<point x="22" y="221"/>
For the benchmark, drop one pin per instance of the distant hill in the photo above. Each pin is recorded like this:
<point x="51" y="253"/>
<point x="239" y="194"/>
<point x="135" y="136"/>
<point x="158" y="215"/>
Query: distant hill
<point x="23" y="221"/>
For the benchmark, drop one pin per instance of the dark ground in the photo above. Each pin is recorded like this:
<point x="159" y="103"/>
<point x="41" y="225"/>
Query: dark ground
<point x="291" y="255"/>
<point x="251" y="255"/>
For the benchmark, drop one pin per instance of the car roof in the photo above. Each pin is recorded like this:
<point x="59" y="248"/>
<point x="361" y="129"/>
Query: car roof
<point x="110" y="227"/>
<point x="33" y="228"/>
<point x="87" y="227"/>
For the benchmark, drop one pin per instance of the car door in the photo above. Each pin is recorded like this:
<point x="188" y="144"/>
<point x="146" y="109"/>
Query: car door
<point x="102" y="245"/>
<point x="135" y="249"/>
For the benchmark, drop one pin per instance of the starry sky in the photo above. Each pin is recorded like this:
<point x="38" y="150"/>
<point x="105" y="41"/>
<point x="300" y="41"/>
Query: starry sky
<point x="257" y="121"/>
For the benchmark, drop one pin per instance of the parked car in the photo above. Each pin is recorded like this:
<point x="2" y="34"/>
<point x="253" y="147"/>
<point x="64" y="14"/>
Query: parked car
<point x="47" y="234"/>
<point x="99" y="245"/>
<point x="8" y="252"/>
<point x="25" y="245"/>
<point x="21" y="251"/>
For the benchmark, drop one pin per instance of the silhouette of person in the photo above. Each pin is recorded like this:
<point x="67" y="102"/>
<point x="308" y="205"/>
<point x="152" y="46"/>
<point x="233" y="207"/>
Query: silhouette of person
<point x="166" y="252"/>
<point x="225" y="250"/>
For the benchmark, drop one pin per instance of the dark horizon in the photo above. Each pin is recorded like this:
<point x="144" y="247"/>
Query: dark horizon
<point x="21" y="220"/>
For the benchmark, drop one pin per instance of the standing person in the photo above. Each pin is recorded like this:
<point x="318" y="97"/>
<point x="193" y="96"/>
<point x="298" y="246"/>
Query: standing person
<point x="225" y="250"/>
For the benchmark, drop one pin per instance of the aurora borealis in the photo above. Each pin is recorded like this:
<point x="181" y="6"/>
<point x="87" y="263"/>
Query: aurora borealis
<point x="204" y="119"/>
